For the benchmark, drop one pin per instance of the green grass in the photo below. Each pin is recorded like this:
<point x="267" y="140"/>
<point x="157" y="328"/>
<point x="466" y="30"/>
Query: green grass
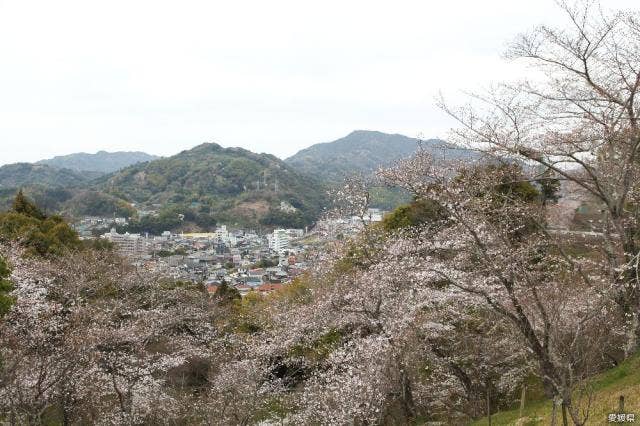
<point x="608" y="386"/>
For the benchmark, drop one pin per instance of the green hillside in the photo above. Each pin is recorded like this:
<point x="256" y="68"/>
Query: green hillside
<point x="49" y="187"/>
<point x="51" y="199"/>
<point x="26" y="174"/>
<point x="364" y="151"/>
<point x="96" y="203"/>
<point x="228" y="184"/>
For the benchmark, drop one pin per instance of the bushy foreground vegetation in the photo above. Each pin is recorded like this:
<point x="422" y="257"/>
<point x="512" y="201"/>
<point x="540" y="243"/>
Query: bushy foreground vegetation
<point x="38" y="233"/>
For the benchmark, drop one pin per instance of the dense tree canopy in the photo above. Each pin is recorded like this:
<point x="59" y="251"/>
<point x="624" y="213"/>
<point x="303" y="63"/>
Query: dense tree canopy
<point x="41" y="234"/>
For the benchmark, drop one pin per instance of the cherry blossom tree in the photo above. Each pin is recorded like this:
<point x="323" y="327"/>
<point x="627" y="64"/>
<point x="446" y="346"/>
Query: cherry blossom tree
<point x="88" y="339"/>
<point x="372" y="337"/>
<point x="494" y="247"/>
<point x="576" y="118"/>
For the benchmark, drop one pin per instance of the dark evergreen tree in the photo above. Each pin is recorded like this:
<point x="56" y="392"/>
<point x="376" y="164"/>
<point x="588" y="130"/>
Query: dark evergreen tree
<point x="22" y="205"/>
<point x="549" y="187"/>
<point x="227" y="293"/>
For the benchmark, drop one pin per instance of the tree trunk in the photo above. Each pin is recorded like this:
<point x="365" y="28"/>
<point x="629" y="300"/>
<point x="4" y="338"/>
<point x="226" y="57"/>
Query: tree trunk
<point x="488" y="403"/>
<point x="565" y="420"/>
<point x="628" y="294"/>
<point x="522" y="396"/>
<point x="408" y="404"/>
<point x="632" y="334"/>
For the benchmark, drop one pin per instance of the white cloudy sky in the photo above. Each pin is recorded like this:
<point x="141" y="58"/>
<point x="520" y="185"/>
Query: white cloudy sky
<point x="271" y="76"/>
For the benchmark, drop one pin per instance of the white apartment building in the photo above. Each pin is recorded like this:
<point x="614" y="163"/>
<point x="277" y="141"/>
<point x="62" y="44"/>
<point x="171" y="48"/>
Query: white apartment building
<point x="223" y="234"/>
<point x="279" y="240"/>
<point x="130" y="245"/>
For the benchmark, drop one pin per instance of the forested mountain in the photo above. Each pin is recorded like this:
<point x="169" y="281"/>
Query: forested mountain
<point x="102" y="161"/>
<point x="230" y="184"/>
<point x="210" y="184"/>
<point x="191" y="190"/>
<point x="25" y="174"/>
<point x="364" y="151"/>
<point x="50" y="187"/>
<point x="64" y="183"/>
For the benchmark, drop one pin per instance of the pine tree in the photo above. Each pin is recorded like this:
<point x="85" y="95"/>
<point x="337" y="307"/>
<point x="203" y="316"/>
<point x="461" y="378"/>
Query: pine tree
<point x="549" y="187"/>
<point x="22" y="205"/>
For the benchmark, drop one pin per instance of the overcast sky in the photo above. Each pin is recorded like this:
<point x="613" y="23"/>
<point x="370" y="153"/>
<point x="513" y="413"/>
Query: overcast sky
<point x="270" y="76"/>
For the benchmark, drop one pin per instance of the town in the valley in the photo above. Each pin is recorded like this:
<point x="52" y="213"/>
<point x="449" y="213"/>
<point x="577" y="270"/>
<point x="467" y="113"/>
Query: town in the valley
<point x="252" y="262"/>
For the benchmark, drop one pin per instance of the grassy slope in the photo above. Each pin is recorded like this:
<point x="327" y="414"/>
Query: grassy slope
<point x="608" y="386"/>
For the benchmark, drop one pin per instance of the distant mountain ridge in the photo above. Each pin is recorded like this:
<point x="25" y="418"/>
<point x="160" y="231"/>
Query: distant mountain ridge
<point x="48" y="186"/>
<point x="101" y="161"/>
<point x="364" y="151"/>
<point x="198" y="187"/>
<point x="24" y="174"/>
